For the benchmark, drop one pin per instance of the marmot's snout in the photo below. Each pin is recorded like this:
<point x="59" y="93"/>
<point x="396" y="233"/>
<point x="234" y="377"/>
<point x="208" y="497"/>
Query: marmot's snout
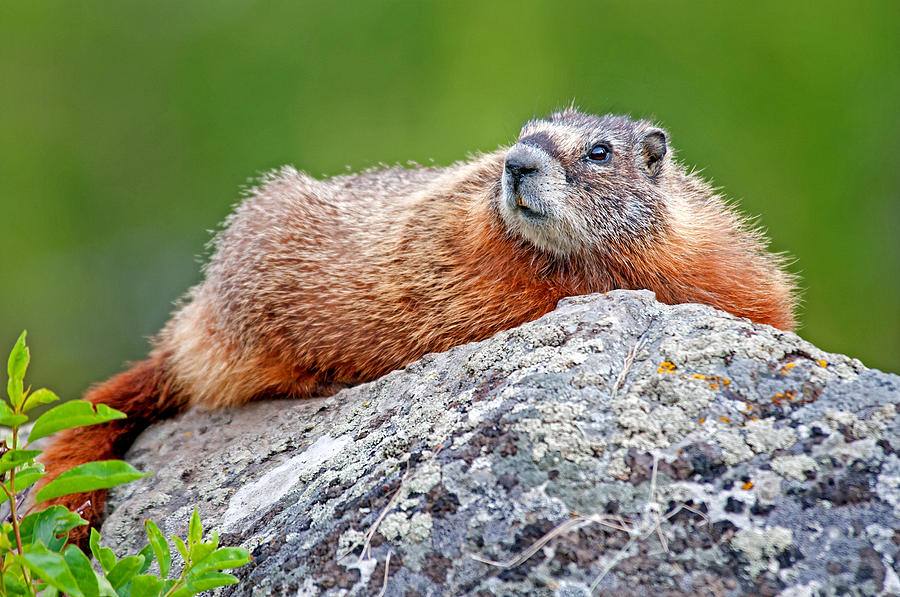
<point x="526" y="172"/>
<point x="519" y="166"/>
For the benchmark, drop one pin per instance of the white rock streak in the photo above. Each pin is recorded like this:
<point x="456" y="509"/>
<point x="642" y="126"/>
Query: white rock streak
<point x="259" y="495"/>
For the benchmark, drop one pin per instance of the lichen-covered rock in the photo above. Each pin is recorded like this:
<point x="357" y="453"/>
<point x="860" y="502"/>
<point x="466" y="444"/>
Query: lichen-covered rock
<point x="640" y="448"/>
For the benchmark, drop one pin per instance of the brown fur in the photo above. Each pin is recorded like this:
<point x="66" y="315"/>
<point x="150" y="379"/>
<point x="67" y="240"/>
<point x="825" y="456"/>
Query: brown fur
<point x="144" y="393"/>
<point x="317" y="284"/>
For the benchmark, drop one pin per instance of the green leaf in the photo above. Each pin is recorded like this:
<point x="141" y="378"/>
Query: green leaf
<point x="52" y="568"/>
<point x="225" y="557"/>
<point x="81" y="570"/>
<point x="146" y="553"/>
<point x="106" y="589"/>
<point x="200" y="551"/>
<point x="13" y="420"/>
<point x="8" y="417"/>
<point x="16" y="366"/>
<point x="14" y="389"/>
<point x="210" y="580"/>
<point x="146" y="585"/>
<point x="15" y="458"/>
<point x="50" y="591"/>
<point x="49" y="527"/>
<point x="15" y="584"/>
<point x="124" y="570"/>
<point x="104" y="555"/>
<point x="181" y="547"/>
<point x="38" y="397"/>
<point x="75" y="413"/>
<point x="88" y="477"/>
<point x="5" y="542"/>
<point x="25" y="478"/>
<point x="195" y="532"/>
<point x="160" y="546"/>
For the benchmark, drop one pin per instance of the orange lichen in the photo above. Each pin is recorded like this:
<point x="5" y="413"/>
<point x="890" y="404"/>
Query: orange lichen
<point x="666" y="367"/>
<point x="715" y="382"/>
<point x="725" y="419"/>
<point x="822" y="363"/>
<point x="747" y="486"/>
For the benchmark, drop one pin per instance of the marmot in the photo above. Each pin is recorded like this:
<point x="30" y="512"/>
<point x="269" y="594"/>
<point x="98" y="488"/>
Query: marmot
<point x="316" y="284"/>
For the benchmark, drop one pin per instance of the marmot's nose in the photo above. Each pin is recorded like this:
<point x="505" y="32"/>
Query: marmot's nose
<point x="519" y="169"/>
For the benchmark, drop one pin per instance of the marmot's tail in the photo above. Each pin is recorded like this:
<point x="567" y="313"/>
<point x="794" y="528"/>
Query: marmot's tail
<point x="146" y="394"/>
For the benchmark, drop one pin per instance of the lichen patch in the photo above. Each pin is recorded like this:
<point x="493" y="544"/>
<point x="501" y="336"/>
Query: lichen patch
<point x="794" y="467"/>
<point x="556" y="429"/>
<point x="764" y="437"/>
<point x="761" y="546"/>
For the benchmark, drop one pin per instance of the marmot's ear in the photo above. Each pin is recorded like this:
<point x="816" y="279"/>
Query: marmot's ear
<point x="654" y="146"/>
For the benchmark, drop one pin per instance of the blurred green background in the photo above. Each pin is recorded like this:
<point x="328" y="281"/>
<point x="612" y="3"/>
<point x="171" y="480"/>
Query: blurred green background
<point x="127" y="130"/>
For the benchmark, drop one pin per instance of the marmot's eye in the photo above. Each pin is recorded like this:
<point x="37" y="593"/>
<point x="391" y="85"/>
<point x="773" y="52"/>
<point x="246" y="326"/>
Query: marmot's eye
<point x="599" y="153"/>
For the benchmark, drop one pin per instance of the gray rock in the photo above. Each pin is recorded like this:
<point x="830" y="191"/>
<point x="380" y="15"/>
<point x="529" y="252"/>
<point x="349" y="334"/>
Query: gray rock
<point x="667" y="450"/>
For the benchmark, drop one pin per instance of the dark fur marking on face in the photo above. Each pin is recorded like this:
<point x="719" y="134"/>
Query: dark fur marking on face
<point x="543" y="141"/>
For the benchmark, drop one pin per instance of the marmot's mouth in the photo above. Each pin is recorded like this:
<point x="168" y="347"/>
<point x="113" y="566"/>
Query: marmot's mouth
<point x="527" y="210"/>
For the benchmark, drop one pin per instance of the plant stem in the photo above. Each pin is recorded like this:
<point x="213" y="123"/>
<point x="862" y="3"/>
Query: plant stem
<point x="12" y="496"/>
<point x="181" y="581"/>
<point x="13" y="514"/>
<point x="11" y="492"/>
<point x="175" y="587"/>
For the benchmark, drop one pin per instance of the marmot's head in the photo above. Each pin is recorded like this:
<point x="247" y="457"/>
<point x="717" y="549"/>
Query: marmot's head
<point x="576" y="183"/>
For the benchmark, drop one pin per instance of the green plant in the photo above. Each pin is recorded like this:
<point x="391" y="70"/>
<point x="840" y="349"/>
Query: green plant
<point x="35" y="557"/>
